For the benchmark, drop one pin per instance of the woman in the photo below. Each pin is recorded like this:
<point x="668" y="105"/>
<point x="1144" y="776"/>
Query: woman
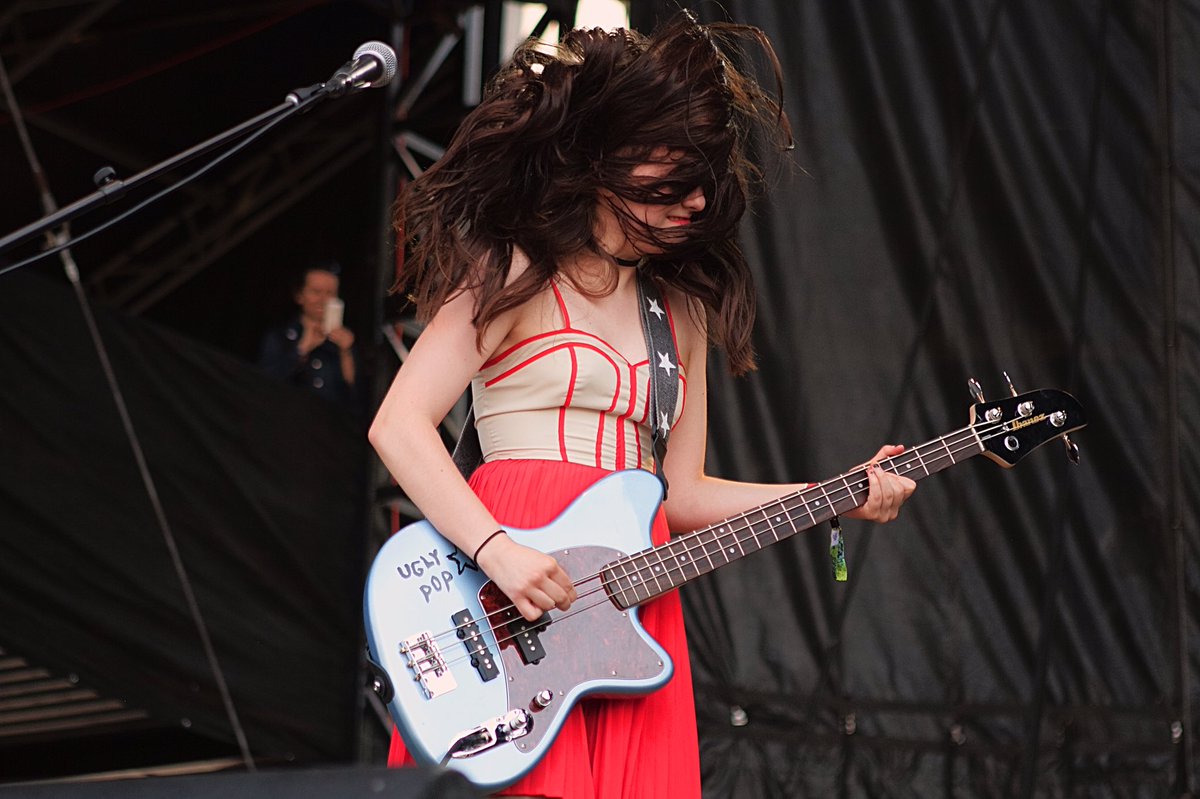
<point x="304" y="353"/>
<point x="613" y="155"/>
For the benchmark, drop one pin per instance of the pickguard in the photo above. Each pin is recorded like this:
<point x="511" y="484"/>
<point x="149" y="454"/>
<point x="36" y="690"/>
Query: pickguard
<point x="585" y="651"/>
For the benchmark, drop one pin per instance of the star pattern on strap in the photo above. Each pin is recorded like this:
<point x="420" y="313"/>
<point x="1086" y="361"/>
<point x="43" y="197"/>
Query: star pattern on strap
<point x="664" y="424"/>
<point x="654" y="309"/>
<point x="664" y="363"/>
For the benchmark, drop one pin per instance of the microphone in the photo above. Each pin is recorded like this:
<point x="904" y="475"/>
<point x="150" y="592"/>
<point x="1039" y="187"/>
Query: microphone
<point x="373" y="65"/>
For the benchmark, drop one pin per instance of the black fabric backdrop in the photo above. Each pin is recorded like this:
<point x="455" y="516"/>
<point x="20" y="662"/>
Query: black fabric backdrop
<point x="261" y="486"/>
<point x="978" y="186"/>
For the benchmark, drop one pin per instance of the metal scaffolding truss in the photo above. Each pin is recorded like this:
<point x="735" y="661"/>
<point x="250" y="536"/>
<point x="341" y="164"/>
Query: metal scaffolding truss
<point x="216" y="215"/>
<point x="476" y="41"/>
<point x="221" y="215"/>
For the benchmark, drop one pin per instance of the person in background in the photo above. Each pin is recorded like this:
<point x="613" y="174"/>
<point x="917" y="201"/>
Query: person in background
<point x="315" y="350"/>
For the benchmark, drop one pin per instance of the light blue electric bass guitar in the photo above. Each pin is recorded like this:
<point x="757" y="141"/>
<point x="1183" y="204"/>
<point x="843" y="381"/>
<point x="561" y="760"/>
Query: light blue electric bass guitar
<point x="473" y="685"/>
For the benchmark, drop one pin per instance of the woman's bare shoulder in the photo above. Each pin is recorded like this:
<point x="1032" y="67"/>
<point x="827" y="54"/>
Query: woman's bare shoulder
<point x="534" y="316"/>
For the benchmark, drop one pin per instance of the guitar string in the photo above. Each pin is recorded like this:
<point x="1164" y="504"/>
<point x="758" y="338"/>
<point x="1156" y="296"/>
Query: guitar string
<point x="908" y="467"/>
<point x="606" y="600"/>
<point x="783" y="510"/>
<point x="735" y="530"/>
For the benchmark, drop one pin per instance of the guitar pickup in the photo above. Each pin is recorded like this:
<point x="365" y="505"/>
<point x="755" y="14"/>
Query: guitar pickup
<point x="525" y="636"/>
<point x="481" y="657"/>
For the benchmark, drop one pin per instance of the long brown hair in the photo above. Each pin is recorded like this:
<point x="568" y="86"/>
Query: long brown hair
<point x="526" y="167"/>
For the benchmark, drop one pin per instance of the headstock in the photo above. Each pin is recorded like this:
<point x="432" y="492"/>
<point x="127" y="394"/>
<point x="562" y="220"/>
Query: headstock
<point x="1013" y="427"/>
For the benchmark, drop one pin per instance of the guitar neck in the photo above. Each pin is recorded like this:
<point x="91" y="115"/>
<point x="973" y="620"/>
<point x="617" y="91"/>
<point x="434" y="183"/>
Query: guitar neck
<point x="645" y="575"/>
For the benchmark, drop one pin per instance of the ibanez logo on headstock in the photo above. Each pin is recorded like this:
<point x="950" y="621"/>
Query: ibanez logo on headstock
<point x="1010" y="428"/>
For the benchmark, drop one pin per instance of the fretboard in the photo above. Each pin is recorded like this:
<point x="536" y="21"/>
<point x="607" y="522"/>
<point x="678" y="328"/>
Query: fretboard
<point x="644" y="575"/>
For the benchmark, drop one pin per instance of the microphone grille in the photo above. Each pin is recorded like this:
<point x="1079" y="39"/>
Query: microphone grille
<point x="386" y="56"/>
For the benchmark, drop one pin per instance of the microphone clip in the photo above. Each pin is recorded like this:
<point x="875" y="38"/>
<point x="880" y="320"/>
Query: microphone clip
<point x="301" y="96"/>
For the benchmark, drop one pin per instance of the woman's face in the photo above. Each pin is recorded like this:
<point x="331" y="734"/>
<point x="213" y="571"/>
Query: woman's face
<point x="318" y="289"/>
<point x="668" y="221"/>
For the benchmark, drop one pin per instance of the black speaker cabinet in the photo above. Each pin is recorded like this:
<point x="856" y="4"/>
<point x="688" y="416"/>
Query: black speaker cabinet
<point x="325" y="783"/>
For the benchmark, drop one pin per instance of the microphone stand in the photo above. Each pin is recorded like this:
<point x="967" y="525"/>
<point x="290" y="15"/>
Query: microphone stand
<point x="111" y="188"/>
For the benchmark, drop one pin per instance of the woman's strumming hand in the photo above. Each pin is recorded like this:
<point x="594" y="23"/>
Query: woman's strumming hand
<point x="531" y="579"/>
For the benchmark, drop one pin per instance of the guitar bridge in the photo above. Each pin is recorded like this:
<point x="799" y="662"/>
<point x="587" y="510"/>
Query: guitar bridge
<point x="427" y="664"/>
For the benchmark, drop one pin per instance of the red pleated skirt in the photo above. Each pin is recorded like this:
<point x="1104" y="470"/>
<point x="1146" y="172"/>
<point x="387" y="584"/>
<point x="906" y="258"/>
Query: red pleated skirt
<point x="628" y="748"/>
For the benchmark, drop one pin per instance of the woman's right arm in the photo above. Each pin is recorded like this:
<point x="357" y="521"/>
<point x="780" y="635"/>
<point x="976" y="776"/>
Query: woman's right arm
<point x="405" y="434"/>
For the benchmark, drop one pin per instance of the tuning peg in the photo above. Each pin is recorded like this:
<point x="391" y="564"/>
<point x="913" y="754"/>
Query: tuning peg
<point x="1072" y="450"/>
<point x="976" y="390"/>
<point x="1072" y="447"/>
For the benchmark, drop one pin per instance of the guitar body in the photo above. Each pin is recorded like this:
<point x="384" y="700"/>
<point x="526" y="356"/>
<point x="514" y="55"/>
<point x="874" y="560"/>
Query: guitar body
<point x="481" y="690"/>
<point x="489" y="703"/>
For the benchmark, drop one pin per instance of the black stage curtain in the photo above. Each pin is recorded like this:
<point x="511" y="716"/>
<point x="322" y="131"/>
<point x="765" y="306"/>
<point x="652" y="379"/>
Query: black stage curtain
<point x="261" y="486"/>
<point x="976" y="187"/>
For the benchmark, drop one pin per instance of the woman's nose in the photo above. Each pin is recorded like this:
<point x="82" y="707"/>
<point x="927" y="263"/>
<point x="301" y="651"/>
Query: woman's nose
<point x="695" y="200"/>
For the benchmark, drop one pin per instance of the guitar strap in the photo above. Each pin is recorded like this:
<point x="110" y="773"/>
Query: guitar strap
<point x="664" y="385"/>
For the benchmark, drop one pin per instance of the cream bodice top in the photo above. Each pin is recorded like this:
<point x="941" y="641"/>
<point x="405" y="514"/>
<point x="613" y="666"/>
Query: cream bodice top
<point x="567" y="395"/>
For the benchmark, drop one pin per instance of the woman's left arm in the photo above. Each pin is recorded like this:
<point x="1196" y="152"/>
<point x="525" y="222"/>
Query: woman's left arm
<point x="696" y="500"/>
